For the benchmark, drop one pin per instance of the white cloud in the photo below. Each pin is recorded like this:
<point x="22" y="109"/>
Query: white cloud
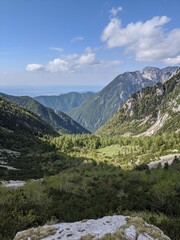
<point x="146" y="40"/>
<point x="34" y="67"/>
<point x="57" y="65"/>
<point x="116" y="36"/>
<point x="56" y="49"/>
<point x="77" y="39"/>
<point x="72" y="56"/>
<point x="73" y="62"/>
<point x="88" y="57"/>
<point x="115" y="11"/>
<point x="173" y="61"/>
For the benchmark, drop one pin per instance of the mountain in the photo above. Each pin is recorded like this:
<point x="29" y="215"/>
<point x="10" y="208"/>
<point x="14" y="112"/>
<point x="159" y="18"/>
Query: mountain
<point x="152" y="110"/>
<point x="64" y="102"/>
<point x="20" y="128"/>
<point x="58" y="120"/>
<point x="15" y="118"/>
<point x="100" y="107"/>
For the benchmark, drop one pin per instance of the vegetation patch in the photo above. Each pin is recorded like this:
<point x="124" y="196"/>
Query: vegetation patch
<point x="36" y="233"/>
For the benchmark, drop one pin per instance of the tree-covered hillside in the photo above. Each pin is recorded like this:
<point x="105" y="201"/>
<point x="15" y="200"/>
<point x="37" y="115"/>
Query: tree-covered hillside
<point x="99" y="108"/>
<point x="21" y="130"/>
<point x="150" y="111"/>
<point x="25" y="150"/>
<point x="64" y="102"/>
<point x="14" y="118"/>
<point x="58" y="120"/>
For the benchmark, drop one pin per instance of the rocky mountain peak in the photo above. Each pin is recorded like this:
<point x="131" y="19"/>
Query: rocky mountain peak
<point x="97" y="110"/>
<point x="151" y="73"/>
<point x="152" y="110"/>
<point x="157" y="74"/>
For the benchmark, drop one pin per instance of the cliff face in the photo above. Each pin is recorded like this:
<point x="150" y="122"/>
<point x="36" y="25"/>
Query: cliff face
<point x="110" y="227"/>
<point x="100" y="107"/>
<point x="152" y="110"/>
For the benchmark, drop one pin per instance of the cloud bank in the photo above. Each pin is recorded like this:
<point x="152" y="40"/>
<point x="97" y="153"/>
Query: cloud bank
<point x="148" y="41"/>
<point x="73" y="63"/>
<point x="34" y="67"/>
<point x="144" y="41"/>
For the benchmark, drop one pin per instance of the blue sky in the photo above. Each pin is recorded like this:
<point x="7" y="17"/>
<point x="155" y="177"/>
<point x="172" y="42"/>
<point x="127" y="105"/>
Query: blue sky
<point x="84" y="42"/>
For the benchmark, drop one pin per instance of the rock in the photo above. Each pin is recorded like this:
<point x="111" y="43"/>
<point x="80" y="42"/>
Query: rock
<point x="130" y="232"/>
<point x="167" y="159"/>
<point x="174" y="151"/>
<point x="117" y="227"/>
<point x="13" y="184"/>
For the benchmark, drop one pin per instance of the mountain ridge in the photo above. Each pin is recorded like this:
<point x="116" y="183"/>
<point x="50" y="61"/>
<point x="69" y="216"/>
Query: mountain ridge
<point x="15" y="118"/>
<point x="21" y="130"/>
<point x="58" y="120"/>
<point x="64" y="102"/>
<point x="99" y="108"/>
<point x="152" y="110"/>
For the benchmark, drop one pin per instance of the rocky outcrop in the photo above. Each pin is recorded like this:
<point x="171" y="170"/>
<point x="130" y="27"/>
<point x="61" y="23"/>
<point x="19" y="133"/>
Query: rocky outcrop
<point x="163" y="160"/>
<point x="116" y="227"/>
<point x="153" y="110"/>
<point x="98" y="109"/>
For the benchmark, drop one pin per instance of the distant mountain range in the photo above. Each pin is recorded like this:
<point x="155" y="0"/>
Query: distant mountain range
<point x="59" y="121"/>
<point x="64" y="102"/>
<point x="152" y="110"/>
<point x="100" y="107"/>
<point x="91" y="110"/>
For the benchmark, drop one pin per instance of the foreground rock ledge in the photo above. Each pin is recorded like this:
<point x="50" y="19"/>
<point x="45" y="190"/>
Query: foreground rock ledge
<point x="118" y="227"/>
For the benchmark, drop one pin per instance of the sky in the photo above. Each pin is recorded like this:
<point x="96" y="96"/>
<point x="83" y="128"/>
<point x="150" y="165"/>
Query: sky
<point x="60" y="45"/>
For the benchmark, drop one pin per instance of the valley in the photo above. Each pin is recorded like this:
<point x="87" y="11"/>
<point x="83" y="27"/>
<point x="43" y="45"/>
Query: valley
<point x="59" y="121"/>
<point x="89" y="120"/>
<point x="48" y="176"/>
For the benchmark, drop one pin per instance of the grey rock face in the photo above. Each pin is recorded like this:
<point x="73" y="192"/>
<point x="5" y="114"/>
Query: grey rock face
<point x="130" y="228"/>
<point x="95" y="112"/>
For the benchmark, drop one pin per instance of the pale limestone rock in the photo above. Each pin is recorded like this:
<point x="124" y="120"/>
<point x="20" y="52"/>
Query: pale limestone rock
<point x="130" y="228"/>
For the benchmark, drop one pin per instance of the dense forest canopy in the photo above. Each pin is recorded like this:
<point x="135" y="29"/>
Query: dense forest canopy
<point x="92" y="176"/>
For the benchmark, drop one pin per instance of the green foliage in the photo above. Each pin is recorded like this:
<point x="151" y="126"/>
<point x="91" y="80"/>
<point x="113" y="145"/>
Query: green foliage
<point x="16" y="118"/>
<point x="94" y="112"/>
<point x="89" y="191"/>
<point x="85" y="176"/>
<point x="121" y="151"/>
<point x="144" y="108"/>
<point x="98" y="109"/>
<point x="64" y="102"/>
<point x="59" y="121"/>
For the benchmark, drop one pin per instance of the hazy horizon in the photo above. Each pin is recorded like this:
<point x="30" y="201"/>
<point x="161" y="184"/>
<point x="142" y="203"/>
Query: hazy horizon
<point x="47" y="90"/>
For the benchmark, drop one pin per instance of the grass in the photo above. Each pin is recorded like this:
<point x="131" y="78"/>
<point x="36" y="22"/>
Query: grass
<point x="116" y="150"/>
<point x="109" y="151"/>
<point x="127" y="157"/>
<point x="36" y="233"/>
<point x="88" y="237"/>
<point x="140" y="226"/>
<point x="147" y="216"/>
